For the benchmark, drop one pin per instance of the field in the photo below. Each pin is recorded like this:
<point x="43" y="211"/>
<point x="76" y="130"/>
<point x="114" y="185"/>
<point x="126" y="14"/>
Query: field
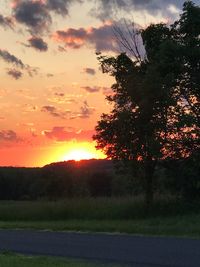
<point x="8" y="259"/>
<point x="167" y="217"/>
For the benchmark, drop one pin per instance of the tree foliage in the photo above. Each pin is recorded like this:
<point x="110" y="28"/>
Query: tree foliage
<point x="155" y="98"/>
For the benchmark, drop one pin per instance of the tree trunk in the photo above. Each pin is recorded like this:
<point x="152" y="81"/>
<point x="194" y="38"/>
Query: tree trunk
<point x="149" y="192"/>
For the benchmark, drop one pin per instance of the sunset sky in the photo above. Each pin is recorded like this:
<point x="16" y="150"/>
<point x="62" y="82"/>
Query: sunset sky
<point x="52" y="91"/>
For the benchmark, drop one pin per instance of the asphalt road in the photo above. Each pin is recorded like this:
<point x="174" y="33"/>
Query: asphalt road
<point x="126" y="249"/>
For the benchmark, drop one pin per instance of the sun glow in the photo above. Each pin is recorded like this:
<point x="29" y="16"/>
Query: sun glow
<point x="80" y="151"/>
<point x="79" y="154"/>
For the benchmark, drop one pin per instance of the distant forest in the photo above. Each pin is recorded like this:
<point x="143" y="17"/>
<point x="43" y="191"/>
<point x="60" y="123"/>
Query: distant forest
<point x="98" y="178"/>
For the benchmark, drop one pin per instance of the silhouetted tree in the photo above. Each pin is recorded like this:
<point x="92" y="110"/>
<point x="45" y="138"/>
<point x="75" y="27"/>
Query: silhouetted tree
<point x="155" y="97"/>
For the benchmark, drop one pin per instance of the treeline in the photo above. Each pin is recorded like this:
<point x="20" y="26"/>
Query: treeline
<point x="95" y="178"/>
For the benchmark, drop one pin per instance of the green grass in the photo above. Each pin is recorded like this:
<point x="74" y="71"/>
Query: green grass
<point x="93" y="209"/>
<point x="128" y="215"/>
<point x="180" y="226"/>
<point x="13" y="260"/>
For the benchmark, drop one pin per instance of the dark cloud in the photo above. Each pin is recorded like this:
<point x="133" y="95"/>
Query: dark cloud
<point x="93" y="89"/>
<point x="16" y="74"/>
<point x="38" y="44"/>
<point x="33" y="14"/>
<point x="6" y="22"/>
<point x="107" y="9"/>
<point x="101" y="38"/>
<point x="59" y="133"/>
<point x="36" y="14"/>
<point x="85" y="112"/>
<point x="53" y="111"/>
<point x="8" y="135"/>
<point x="89" y="71"/>
<point x="9" y="58"/>
<point x="59" y="6"/>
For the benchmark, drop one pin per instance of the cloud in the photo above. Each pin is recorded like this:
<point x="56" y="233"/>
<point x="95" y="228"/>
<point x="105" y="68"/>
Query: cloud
<point x="9" y="58"/>
<point x="89" y="71"/>
<point x="9" y="136"/>
<point x="60" y="97"/>
<point x="32" y="71"/>
<point x="38" y="44"/>
<point x="32" y="14"/>
<point x="16" y="74"/>
<point x="36" y="14"/>
<point x="102" y="38"/>
<point x="29" y="108"/>
<point x="6" y="22"/>
<point x="85" y="112"/>
<point x="62" y="49"/>
<point x="59" y="6"/>
<point x="53" y="111"/>
<point x="93" y="89"/>
<point x="49" y="75"/>
<point x="60" y="134"/>
<point x="107" y="9"/>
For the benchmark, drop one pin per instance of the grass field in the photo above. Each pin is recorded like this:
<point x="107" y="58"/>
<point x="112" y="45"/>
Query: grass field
<point x="166" y="218"/>
<point x="13" y="260"/>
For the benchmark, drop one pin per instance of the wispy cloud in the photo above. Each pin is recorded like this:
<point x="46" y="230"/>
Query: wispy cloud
<point x="60" y="97"/>
<point x="12" y="59"/>
<point x="16" y="74"/>
<point x="85" y="112"/>
<point x="6" y="22"/>
<point x="89" y="71"/>
<point x="90" y="89"/>
<point x="9" y="58"/>
<point x="55" y="112"/>
<point x="9" y="135"/>
<point x="60" y="134"/>
<point x="104" y="9"/>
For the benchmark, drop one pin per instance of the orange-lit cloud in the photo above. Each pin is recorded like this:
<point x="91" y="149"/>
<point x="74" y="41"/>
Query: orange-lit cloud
<point x="59" y="133"/>
<point x="101" y="38"/>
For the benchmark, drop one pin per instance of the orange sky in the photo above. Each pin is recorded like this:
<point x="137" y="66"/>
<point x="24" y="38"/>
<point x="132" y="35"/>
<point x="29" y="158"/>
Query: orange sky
<point x="52" y="91"/>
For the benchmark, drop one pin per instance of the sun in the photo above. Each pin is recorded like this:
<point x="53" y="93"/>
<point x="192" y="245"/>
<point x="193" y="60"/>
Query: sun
<point x="79" y="154"/>
<point x="81" y="151"/>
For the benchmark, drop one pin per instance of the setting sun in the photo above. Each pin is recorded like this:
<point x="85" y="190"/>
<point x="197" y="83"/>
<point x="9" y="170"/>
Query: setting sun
<point x="80" y="151"/>
<point x="79" y="154"/>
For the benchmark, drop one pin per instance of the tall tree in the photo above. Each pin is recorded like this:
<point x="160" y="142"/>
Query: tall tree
<point x="155" y="98"/>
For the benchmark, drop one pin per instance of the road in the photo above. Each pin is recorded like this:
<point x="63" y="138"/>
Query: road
<point x="126" y="249"/>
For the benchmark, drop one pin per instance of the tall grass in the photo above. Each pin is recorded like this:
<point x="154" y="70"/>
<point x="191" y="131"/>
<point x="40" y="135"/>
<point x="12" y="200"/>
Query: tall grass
<point x="93" y="209"/>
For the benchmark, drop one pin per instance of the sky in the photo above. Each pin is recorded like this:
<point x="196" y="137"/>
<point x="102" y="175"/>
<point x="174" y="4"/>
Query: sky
<point x="52" y="90"/>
